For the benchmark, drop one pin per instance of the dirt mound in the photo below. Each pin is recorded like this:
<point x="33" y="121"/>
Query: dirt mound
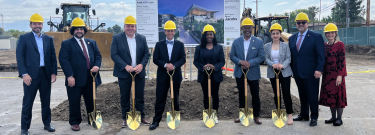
<point x="191" y="102"/>
<point x="8" y="68"/>
<point x="360" y="49"/>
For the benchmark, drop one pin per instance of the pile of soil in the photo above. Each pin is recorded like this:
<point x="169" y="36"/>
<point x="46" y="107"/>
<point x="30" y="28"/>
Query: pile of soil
<point x="191" y="102"/>
<point x="360" y="49"/>
<point x="8" y="68"/>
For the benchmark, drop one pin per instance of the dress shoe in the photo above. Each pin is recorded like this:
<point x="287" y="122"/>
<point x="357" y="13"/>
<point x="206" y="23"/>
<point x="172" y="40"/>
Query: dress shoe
<point x="257" y="120"/>
<point x="154" y="125"/>
<point x="49" y="128"/>
<point x="313" y="122"/>
<point x="300" y="118"/>
<point x="329" y="121"/>
<point x="75" y="128"/>
<point x="338" y="124"/>
<point x="237" y="120"/>
<point x="124" y="124"/>
<point x="145" y="122"/>
<point x="25" y="132"/>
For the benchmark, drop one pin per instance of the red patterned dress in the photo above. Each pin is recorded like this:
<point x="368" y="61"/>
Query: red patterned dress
<point x="335" y="65"/>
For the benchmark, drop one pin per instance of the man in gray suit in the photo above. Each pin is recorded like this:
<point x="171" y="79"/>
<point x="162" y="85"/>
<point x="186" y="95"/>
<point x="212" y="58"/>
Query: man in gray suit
<point x="247" y="53"/>
<point x="130" y="53"/>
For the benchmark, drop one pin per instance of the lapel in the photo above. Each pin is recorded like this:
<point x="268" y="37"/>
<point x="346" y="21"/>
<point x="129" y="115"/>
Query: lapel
<point x="76" y="44"/>
<point x="281" y="50"/>
<point x="242" y="51"/>
<point x="216" y="49"/>
<point x="138" y="44"/>
<point x="250" y="47"/>
<point x="269" y="51"/>
<point x="307" y="36"/>
<point x="174" y="49"/>
<point x="45" y="46"/>
<point x="90" y="50"/>
<point x="125" y="42"/>
<point x="33" y="41"/>
<point x="164" y="49"/>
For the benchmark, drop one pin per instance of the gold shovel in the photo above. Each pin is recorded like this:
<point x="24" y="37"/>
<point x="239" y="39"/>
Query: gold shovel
<point x="278" y="115"/>
<point x="134" y="117"/>
<point x="246" y="114"/>
<point x="95" y="117"/>
<point x="209" y="115"/>
<point x="173" y="118"/>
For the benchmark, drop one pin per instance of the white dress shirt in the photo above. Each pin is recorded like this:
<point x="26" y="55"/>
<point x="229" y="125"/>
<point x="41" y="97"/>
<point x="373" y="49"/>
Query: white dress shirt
<point x="246" y="44"/>
<point x="133" y="49"/>
<point x="84" y="42"/>
<point x="170" y="48"/>
<point x="303" y="37"/>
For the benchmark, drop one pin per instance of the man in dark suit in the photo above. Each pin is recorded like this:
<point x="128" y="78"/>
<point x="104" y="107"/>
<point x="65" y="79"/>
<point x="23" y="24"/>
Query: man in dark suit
<point x="79" y="57"/>
<point x="130" y="53"/>
<point x="37" y="66"/>
<point x="169" y="55"/>
<point x="307" y="49"/>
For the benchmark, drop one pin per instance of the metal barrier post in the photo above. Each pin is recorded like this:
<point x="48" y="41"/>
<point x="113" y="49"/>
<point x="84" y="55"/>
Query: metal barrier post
<point x="190" y="65"/>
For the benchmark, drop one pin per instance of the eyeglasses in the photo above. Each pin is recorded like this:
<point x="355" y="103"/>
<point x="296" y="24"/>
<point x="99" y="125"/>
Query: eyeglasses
<point x="303" y="23"/>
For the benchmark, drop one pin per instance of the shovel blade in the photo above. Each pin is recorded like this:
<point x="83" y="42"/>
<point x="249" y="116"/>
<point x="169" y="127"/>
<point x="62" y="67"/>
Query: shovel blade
<point x="209" y="119"/>
<point x="279" y="119"/>
<point x="246" y="116"/>
<point x="173" y="120"/>
<point x="95" y="119"/>
<point x="133" y="120"/>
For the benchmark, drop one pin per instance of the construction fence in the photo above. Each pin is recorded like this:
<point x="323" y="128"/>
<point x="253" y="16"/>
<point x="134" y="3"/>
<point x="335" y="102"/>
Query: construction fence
<point x="355" y="35"/>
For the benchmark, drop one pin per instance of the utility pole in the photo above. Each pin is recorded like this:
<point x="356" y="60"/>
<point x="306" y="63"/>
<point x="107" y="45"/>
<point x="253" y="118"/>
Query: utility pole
<point x="347" y="13"/>
<point x="368" y="14"/>
<point x="256" y="2"/>
<point x="2" y="21"/>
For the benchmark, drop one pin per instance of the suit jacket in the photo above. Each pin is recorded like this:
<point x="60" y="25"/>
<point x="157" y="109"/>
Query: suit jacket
<point x="310" y="57"/>
<point x="73" y="61"/>
<point x="218" y="61"/>
<point x="28" y="58"/>
<point x="161" y="57"/>
<point x="284" y="58"/>
<point x="120" y="54"/>
<point x="255" y="56"/>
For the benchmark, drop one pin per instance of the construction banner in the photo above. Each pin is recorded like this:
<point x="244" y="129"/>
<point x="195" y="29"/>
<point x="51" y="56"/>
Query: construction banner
<point x="147" y="24"/>
<point x="231" y="21"/>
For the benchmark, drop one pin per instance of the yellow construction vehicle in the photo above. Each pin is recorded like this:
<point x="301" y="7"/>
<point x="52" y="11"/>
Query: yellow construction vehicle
<point x="71" y="11"/>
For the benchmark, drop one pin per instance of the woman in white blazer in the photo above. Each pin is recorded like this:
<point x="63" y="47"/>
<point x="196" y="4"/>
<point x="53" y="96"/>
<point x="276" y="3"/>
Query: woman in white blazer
<point x="278" y="58"/>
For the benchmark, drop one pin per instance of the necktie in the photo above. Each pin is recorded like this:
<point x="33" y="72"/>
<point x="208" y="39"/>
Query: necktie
<point x="169" y="42"/>
<point x="299" y="42"/>
<point x="86" y="56"/>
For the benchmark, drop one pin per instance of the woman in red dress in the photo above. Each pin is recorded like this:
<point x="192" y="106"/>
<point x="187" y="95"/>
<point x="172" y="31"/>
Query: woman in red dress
<point x="333" y="90"/>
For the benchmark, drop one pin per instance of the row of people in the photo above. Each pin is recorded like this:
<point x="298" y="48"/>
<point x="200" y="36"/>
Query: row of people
<point x="78" y="56"/>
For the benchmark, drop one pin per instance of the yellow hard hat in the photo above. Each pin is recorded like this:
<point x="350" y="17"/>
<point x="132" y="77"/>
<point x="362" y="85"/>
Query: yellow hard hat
<point x="209" y="27"/>
<point x="247" y="21"/>
<point x="276" y="26"/>
<point x="36" y="18"/>
<point x="169" y="25"/>
<point x="302" y="16"/>
<point x="330" y="27"/>
<point x="130" y="20"/>
<point x="78" y="22"/>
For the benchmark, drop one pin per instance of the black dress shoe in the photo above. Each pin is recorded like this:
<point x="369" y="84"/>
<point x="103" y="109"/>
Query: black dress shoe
<point x="49" y="128"/>
<point x="300" y="118"/>
<point x="338" y="124"/>
<point x="329" y="121"/>
<point x="154" y="125"/>
<point x="25" y="132"/>
<point x="313" y="122"/>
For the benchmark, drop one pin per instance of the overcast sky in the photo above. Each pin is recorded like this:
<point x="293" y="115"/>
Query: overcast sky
<point x="116" y="10"/>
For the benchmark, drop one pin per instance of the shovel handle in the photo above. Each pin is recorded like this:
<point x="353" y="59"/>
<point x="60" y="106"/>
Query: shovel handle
<point x="172" y="89"/>
<point x="133" y="85"/>
<point x="245" y="80"/>
<point x="209" y="87"/>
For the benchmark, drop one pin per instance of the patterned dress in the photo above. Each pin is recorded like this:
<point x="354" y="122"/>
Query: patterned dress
<point x="335" y="65"/>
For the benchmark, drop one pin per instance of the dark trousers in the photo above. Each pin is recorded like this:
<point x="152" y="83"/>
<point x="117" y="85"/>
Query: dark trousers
<point x="254" y="90"/>
<point x="125" y="92"/>
<point x="44" y="85"/>
<point x="285" y="89"/>
<point x="308" y="89"/>
<point x="161" y="97"/>
<point x="214" y="92"/>
<point x="74" y="97"/>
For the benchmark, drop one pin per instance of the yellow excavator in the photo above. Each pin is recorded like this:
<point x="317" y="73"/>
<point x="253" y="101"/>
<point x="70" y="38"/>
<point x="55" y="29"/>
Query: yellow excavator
<point x="265" y="35"/>
<point x="71" y="11"/>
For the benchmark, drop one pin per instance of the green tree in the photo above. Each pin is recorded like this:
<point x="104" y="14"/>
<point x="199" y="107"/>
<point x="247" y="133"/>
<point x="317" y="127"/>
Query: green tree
<point x="117" y="29"/>
<point x="2" y="31"/>
<point x="356" y="11"/>
<point x="110" y="30"/>
<point x="312" y="13"/>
